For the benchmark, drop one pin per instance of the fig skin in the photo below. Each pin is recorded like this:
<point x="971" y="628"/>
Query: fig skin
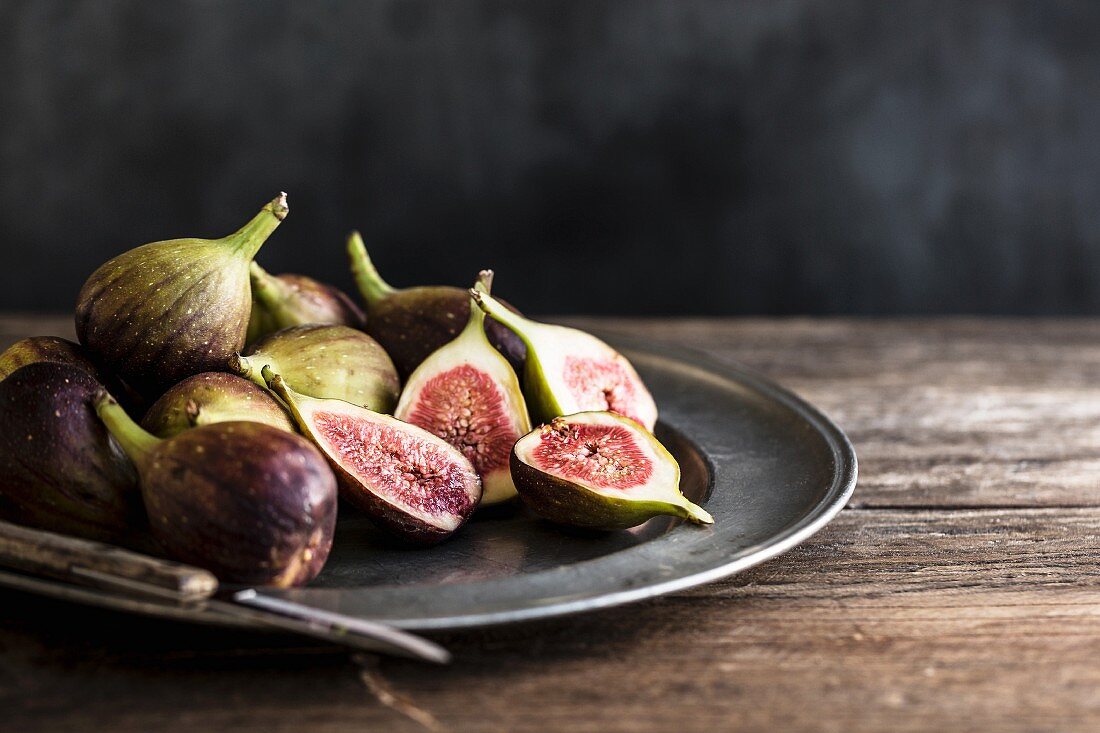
<point x="411" y="323"/>
<point x="570" y="503"/>
<point x="161" y="312"/>
<point x="326" y="361"/>
<point x="213" y="397"/>
<point x="61" y="469"/>
<point x="484" y="436"/>
<point x="251" y="503"/>
<point x="45" y="349"/>
<point x="401" y="524"/>
<point x="282" y="301"/>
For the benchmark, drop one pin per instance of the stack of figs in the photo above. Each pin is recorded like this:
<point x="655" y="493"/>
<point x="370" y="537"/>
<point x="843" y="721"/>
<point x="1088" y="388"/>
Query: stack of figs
<point x="221" y="415"/>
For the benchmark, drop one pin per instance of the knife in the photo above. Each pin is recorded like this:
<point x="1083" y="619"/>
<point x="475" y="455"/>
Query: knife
<point x="67" y="567"/>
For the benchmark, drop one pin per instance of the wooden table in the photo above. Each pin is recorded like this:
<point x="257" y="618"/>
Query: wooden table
<point x="959" y="590"/>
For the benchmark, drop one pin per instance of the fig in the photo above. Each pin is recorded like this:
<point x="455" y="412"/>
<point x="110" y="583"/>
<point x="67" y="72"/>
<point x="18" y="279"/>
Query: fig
<point x="569" y="371"/>
<point x="411" y="323"/>
<point x="44" y="349"/>
<point x="409" y="481"/>
<point x="167" y="310"/>
<point x="467" y="393"/>
<point x="327" y="361"/>
<point x="599" y="470"/>
<point x="249" y="502"/>
<point x="281" y="301"/>
<point x="61" y="469"/>
<point x="213" y="397"/>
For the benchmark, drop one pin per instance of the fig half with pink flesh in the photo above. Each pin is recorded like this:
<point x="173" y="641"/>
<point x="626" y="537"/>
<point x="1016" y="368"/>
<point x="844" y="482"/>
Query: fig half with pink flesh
<point x="411" y="482"/>
<point x="413" y="322"/>
<point x="569" y="371"/>
<point x="281" y="301"/>
<point x="469" y="395"/>
<point x="599" y="470"/>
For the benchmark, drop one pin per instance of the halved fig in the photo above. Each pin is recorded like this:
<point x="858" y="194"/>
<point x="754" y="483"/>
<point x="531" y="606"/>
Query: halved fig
<point x="411" y="482"/>
<point x="569" y="371"/>
<point x="599" y="470"/>
<point x="467" y="393"/>
<point x="327" y="361"/>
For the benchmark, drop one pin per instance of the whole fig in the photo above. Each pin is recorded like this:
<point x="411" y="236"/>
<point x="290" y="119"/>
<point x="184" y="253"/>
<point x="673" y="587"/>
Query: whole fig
<point x="167" y="310"/>
<point x="45" y="348"/>
<point x="213" y="397"/>
<point x="250" y="503"/>
<point x="281" y="301"/>
<point x="411" y="323"/>
<point x="60" y="468"/>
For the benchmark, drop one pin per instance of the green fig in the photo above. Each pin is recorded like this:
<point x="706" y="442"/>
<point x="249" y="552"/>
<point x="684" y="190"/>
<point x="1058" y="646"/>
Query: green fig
<point x="411" y="323"/>
<point x="61" y="469"/>
<point x="250" y="503"/>
<point x="409" y="481"/>
<point x="569" y="371"/>
<point x="164" y="311"/>
<point x="334" y="362"/>
<point x="213" y="397"/>
<point x="45" y="348"/>
<point x="599" y="470"/>
<point x="467" y="393"/>
<point x="281" y="301"/>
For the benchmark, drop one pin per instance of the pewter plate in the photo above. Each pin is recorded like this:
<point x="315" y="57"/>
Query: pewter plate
<point x="769" y="467"/>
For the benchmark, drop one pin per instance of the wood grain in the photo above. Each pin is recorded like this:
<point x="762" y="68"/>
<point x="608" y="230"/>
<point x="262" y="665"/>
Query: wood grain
<point x="961" y="591"/>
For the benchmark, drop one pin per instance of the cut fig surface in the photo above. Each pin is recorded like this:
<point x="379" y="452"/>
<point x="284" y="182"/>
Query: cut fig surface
<point x="599" y="470"/>
<point x="408" y="480"/>
<point x="569" y="371"/>
<point x="467" y="393"/>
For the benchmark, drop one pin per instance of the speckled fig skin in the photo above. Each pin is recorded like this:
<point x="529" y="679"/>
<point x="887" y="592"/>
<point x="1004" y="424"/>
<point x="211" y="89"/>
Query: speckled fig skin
<point x="281" y="301"/>
<point x="411" y="323"/>
<point x="213" y="397"/>
<point x="164" y="311"/>
<point x="60" y="469"/>
<point x="405" y="526"/>
<point x="327" y="361"/>
<point x="251" y="503"/>
<point x="45" y="349"/>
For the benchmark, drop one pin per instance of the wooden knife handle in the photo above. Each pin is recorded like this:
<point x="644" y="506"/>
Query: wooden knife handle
<point x="83" y="561"/>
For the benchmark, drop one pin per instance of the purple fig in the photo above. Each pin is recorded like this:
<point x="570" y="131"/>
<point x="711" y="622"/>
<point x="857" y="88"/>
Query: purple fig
<point x="45" y="348"/>
<point x="411" y="323"/>
<point x="249" y="502"/>
<point x="61" y="469"/>
<point x="281" y="301"/>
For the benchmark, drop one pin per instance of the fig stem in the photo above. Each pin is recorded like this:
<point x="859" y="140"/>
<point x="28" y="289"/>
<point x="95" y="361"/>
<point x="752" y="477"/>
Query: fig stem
<point x="696" y="513"/>
<point x="494" y="309"/>
<point x="476" y="322"/>
<point x="242" y="366"/>
<point x="265" y="288"/>
<point x="371" y="285"/>
<point x="277" y="385"/>
<point x="135" y="441"/>
<point x="248" y="239"/>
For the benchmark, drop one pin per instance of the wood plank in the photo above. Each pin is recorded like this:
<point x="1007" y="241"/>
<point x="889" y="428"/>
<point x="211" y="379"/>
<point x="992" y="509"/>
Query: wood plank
<point x="888" y="620"/>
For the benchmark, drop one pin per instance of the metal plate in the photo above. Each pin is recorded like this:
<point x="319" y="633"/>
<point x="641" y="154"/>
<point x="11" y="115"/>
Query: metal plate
<point x="771" y="469"/>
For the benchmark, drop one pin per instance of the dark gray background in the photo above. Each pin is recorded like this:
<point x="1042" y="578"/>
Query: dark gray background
<point x="843" y="156"/>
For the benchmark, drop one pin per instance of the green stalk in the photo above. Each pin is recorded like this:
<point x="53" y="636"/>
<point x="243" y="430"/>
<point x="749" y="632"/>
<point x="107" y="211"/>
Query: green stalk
<point x="264" y="287"/>
<point x="289" y="398"/>
<point x="495" y="309"/>
<point x="244" y="367"/>
<point x="476" y="322"/>
<point x="248" y="239"/>
<point x="371" y="285"/>
<point x="135" y="441"/>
